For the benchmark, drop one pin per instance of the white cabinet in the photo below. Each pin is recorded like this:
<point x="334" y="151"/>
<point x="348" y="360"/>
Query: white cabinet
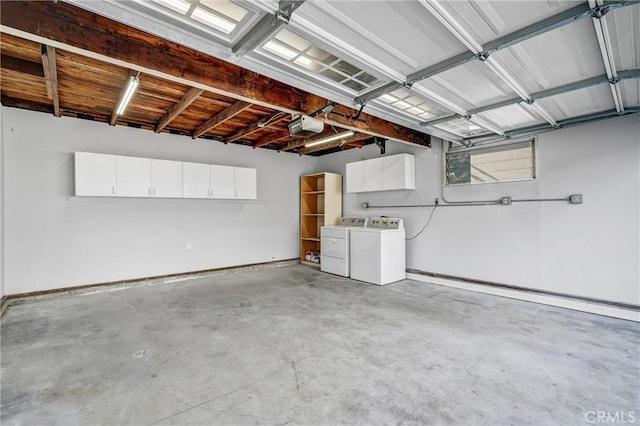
<point x="372" y="175"/>
<point x="398" y="172"/>
<point x="245" y="183"/>
<point x="393" y="172"/>
<point x="355" y="175"/>
<point x="95" y="174"/>
<point x="105" y="175"/>
<point x="195" y="180"/>
<point x="222" y="181"/>
<point x="133" y="177"/>
<point x="166" y="179"/>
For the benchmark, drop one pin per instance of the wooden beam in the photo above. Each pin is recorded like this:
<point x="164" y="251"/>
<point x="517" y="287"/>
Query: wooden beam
<point x="51" y="76"/>
<point x="21" y="65"/>
<point x="188" y="98"/>
<point x="220" y="118"/>
<point x="86" y="33"/>
<point x="272" y="138"/>
<point x="256" y="126"/>
<point x="20" y="103"/>
<point x="334" y="144"/>
<point x="123" y="90"/>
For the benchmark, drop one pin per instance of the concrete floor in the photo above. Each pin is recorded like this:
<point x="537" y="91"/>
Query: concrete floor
<point x="292" y="345"/>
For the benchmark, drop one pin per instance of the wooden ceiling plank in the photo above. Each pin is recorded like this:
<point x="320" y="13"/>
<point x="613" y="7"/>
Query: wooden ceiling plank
<point x="51" y="76"/>
<point x="21" y="65"/>
<point x="334" y="144"/>
<point x="220" y="118"/>
<point x="272" y="138"/>
<point x="82" y="32"/>
<point x="188" y="98"/>
<point x="114" y="116"/>
<point x="256" y="126"/>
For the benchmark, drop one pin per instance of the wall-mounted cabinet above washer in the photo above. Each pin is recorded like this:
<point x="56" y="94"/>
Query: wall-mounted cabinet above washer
<point x="394" y="172"/>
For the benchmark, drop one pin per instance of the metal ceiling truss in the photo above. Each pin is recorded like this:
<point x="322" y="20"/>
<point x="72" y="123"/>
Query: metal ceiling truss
<point x="539" y="128"/>
<point x="266" y="26"/>
<point x="584" y="10"/>
<point x="578" y="85"/>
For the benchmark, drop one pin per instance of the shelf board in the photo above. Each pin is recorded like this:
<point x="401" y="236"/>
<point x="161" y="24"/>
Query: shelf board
<point x="310" y="239"/>
<point x="312" y="214"/>
<point x="312" y="192"/>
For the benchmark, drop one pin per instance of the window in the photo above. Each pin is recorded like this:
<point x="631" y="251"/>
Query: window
<point x="406" y="102"/>
<point x="502" y="163"/>
<point x="294" y="49"/>
<point x="220" y="15"/>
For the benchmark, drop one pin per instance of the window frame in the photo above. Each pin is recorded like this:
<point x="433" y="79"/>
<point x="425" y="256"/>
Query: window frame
<point x="534" y="153"/>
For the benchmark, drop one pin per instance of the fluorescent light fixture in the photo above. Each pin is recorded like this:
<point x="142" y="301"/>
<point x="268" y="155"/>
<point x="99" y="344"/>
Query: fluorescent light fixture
<point x="328" y="139"/>
<point x="213" y="20"/>
<point x="131" y="88"/>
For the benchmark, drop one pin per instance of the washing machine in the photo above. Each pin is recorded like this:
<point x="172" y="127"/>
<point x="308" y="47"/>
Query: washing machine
<point x="334" y="245"/>
<point x="378" y="251"/>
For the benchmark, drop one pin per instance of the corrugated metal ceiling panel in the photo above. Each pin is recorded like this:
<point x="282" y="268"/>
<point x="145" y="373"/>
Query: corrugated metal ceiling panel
<point x="579" y="102"/>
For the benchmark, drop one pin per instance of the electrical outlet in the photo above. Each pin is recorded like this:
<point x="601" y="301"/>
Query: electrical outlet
<point x="188" y="246"/>
<point x="365" y="205"/>
<point x="506" y="201"/>
<point x="575" y="198"/>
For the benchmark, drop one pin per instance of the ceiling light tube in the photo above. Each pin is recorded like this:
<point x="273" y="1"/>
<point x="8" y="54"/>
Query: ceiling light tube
<point x="131" y="88"/>
<point x="328" y="139"/>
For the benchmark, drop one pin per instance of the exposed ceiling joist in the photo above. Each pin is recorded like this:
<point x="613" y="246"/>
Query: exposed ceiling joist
<point x="21" y="65"/>
<point x="51" y="76"/>
<point x="84" y="33"/>
<point x="256" y="126"/>
<point x="272" y="138"/>
<point x="188" y="98"/>
<point x="220" y="118"/>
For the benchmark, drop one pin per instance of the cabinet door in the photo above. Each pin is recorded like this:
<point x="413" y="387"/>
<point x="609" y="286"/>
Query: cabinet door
<point x="133" y="177"/>
<point x="245" y="183"/>
<point x="398" y="172"/>
<point x="372" y="175"/>
<point x="195" y="180"/>
<point x="222" y="185"/>
<point x="95" y="174"/>
<point x="354" y="173"/>
<point x="166" y="179"/>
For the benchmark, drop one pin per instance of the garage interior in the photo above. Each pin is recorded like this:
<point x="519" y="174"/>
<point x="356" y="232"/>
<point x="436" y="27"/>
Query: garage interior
<point x="520" y="293"/>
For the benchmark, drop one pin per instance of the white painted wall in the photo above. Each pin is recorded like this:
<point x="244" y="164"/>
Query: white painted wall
<point x="589" y="250"/>
<point x="54" y="240"/>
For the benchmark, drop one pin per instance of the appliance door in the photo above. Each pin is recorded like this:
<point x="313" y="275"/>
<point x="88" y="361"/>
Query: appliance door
<point x="334" y="247"/>
<point x="365" y="256"/>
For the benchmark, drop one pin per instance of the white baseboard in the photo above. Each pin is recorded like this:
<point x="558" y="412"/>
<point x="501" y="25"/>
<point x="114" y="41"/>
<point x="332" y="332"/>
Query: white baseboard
<point x="562" y="302"/>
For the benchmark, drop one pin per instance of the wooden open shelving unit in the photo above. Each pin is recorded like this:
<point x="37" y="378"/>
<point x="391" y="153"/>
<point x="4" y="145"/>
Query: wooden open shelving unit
<point x="320" y="204"/>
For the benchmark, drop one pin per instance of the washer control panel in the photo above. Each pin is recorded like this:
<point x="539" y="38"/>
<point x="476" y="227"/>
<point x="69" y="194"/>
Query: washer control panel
<point x="386" y="223"/>
<point x="356" y="222"/>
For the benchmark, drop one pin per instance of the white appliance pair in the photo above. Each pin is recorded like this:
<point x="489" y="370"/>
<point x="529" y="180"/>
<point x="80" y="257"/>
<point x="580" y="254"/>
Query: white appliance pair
<point x="370" y="250"/>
